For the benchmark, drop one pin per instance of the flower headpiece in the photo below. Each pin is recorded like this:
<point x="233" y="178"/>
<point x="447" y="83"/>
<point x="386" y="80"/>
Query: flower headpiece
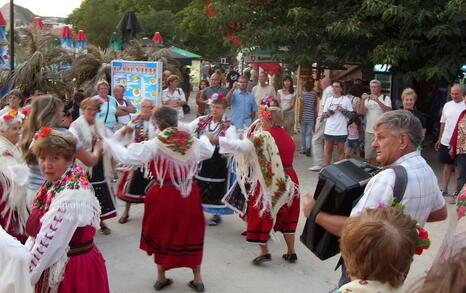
<point x="11" y="116"/>
<point x="264" y="113"/>
<point x="26" y="110"/>
<point x="422" y="241"/>
<point x="44" y="132"/>
<point x="267" y="101"/>
<point x="216" y="96"/>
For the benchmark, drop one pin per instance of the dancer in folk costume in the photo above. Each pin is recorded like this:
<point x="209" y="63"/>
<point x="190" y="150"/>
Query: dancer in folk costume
<point x="173" y="225"/>
<point x="63" y="221"/>
<point x="133" y="184"/>
<point x="13" y="209"/>
<point x="88" y="130"/>
<point x="266" y="176"/>
<point x="214" y="174"/>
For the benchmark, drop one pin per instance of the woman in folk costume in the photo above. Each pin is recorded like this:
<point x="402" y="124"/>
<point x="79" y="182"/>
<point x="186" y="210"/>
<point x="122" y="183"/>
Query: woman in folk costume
<point x="88" y="130"/>
<point x="133" y="184"/>
<point x="214" y="174"/>
<point x="173" y="224"/>
<point x="13" y="210"/>
<point x="63" y="221"/>
<point x="265" y="174"/>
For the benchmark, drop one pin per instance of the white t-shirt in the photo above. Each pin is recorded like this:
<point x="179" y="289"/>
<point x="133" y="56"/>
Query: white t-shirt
<point x="450" y="114"/>
<point x="337" y="124"/>
<point x="374" y="111"/>
<point x="260" y="92"/>
<point x="178" y="95"/>
<point x="327" y="93"/>
<point x="285" y="100"/>
<point x="125" y="118"/>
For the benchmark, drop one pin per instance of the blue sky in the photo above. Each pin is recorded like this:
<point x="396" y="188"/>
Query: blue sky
<point x="59" y="8"/>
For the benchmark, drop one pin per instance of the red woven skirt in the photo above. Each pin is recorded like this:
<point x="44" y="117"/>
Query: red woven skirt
<point x="258" y="228"/>
<point x="173" y="227"/>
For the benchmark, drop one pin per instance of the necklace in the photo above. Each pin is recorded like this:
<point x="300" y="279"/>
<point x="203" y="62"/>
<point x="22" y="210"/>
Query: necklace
<point x="215" y="128"/>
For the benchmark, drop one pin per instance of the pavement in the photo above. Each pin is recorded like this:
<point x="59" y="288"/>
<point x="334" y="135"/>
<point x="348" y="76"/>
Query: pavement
<point x="227" y="258"/>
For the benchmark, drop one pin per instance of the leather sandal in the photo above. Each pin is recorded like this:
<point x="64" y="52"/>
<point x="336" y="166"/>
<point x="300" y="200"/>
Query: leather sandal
<point x="261" y="259"/>
<point x="198" y="287"/>
<point x="160" y="285"/>
<point x="291" y="257"/>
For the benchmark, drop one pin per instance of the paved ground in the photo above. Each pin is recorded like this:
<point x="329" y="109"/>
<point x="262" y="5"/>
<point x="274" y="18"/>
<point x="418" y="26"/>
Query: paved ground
<point x="226" y="265"/>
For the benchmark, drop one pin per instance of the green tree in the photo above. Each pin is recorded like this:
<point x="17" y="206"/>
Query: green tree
<point x="163" y="21"/>
<point x="98" y="18"/>
<point x="200" y="33"/>
<point x="423" y="39"/>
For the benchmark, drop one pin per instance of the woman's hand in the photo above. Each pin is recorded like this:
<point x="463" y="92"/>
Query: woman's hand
<point x="98" y="147"/>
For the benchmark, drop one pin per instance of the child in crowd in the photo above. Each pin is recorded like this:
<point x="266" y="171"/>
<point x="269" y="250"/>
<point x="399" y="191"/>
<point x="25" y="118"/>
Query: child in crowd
<point x="353" y="142"/>
<point x="378" y="247"/>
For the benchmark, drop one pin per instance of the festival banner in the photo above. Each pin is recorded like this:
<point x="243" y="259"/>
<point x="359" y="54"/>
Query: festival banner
<point x="141" y="79"/>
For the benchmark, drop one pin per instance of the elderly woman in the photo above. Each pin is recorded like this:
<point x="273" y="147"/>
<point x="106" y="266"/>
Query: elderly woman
<point x="173" y="96"/>
<point x="13" y="211"/>
<point x="133" y="184"/>
<point x="63" y="221"/>
<point x="265" y="163"/>
<point x="88" y="130"/>
<point x="173" y="224"/>
<point x="409" y="98"/>
<point x="109" y="105"/>
<point x="15" y="101"/>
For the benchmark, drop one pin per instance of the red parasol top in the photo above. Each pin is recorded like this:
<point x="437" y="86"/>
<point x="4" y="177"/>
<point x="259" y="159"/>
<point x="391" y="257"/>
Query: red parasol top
<point x="157" y="38"/>
<point x="37" y="23"/>
<point x="2" y="20"/>
<point x="81" y="36"/>
<point x="66" y="32"/>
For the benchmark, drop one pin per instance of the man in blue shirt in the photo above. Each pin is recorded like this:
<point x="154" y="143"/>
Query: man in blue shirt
<point x="243" y="104"/>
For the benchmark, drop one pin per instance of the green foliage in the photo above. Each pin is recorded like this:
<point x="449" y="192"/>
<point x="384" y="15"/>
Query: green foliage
<point x="98" y="18"/>
<point x="424" y="39"/>
<point x="163" y="21"/>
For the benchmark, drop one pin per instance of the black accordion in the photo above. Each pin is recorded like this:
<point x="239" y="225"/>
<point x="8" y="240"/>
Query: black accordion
<point x="340" y="185"/>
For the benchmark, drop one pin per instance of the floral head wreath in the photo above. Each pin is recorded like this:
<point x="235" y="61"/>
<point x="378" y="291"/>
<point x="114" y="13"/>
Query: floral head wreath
<point x="461" y="204"/>
<point x="44" y="132"/>
<point x="267" y="101"/>
<point x="12" y="116"/>
<point x="264" y="112"/>
<point x="422" y="241"/>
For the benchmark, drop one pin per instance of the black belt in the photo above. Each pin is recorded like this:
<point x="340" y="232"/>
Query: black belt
<point x="80" y="248"/>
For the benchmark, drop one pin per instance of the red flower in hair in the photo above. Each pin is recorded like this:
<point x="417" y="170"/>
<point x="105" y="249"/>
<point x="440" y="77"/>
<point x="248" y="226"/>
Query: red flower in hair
<point x="220" y="96"/>
<point x="43" y="132"/>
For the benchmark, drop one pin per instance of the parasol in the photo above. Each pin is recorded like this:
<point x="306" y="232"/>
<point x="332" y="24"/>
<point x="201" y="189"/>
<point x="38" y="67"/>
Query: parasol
<point x="129" y="26"/>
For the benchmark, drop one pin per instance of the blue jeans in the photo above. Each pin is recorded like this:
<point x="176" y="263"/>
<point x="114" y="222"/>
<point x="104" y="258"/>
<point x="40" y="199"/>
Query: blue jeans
<point x="306" y="135"/>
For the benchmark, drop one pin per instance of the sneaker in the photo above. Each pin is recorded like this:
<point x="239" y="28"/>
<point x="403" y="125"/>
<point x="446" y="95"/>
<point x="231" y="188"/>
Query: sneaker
<point x="315" y="168"/>
<point x="216" y="219"/>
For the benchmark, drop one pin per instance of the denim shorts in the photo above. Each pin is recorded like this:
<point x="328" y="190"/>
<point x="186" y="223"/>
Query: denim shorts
<point x="336" y="138"/>
<point x="354" y="143"/>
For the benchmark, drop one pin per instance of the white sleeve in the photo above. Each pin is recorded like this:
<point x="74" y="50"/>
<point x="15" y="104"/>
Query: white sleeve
<point x="387" y="101"/>
<point x="231" y="133"/>
<point x="188" y="127"/>
<point x="206" y="149"/>
<point x="51" y="243"/>
<point x="134" y="154"/>
<point x="326" y="105"/>
<point x="379" y="189"/>
<point x="228" y="145"/>
<point x="164" y="96"/>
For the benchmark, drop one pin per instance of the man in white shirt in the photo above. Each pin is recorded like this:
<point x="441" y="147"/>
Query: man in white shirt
<point x="318" y="136"/>
<point x="125" y="107"/>
<point x="397" y="136"/>
<point x="450" y="114"/>
<point x="263" y="89"/>
<point x="373" y="105"/>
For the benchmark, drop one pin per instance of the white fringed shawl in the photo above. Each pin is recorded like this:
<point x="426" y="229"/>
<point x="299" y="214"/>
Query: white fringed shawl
<point x="13" y="179"/>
